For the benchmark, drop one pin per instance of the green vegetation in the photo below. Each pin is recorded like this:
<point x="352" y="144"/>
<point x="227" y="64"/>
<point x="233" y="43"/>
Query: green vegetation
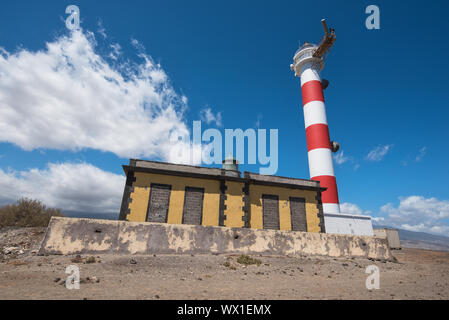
<point x="247" y="260"/>
<point x="27" y="213"/>
<point x="91" y="260"/>
<point x="227" y="264"/>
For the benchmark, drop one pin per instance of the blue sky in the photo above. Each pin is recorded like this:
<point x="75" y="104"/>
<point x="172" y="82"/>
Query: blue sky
<point x="387" y="103"/>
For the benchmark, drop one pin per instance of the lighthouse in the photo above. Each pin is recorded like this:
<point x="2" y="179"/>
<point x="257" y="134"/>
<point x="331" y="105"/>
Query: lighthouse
<point x="307" y="64"/>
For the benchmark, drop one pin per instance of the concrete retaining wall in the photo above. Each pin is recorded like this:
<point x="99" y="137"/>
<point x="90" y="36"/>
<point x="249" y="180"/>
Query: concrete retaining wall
<point x="88" y="236"/>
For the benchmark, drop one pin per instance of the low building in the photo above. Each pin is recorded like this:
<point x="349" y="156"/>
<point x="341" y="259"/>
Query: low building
<point x="392" y="235"/>
<point x="183" y="194"/>
<point x="346" y="223"/>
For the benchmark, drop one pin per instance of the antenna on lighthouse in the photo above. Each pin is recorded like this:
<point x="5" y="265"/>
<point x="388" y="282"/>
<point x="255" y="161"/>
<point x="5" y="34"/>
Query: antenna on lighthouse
<point x="327" y="42"/>
<point x="323" y="22"/>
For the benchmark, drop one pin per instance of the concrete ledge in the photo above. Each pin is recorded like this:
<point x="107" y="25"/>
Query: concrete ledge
<point x="89" y="236"/>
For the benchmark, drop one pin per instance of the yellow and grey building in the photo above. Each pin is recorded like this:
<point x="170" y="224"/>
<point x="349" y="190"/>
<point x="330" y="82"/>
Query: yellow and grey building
<point x="182" y="194"/>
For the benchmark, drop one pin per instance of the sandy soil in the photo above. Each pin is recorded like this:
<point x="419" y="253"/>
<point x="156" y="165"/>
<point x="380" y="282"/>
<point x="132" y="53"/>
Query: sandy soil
<point x="418" y="274"/>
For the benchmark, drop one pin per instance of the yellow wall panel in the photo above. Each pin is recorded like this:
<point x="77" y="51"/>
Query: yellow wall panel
<point x="139" y="204"/>
<point x="234" y="205"/>
<point x="284" y="194"/>
<point x="234" y="201"/>
<point x="140" y="197"/>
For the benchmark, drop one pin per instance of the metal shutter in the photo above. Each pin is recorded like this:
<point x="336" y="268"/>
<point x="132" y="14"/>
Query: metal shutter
<point x="158" y="203"/>
<point x="193" y="206"/>
<point x="270" y="208"/>
<point x="298" y="214"/>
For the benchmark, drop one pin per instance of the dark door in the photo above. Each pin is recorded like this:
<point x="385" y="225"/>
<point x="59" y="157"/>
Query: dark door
<point x="270" y="208"/>
<point x="193" y="206"/>
<point x="158" y="204"/>
<point x="298" y="214"/>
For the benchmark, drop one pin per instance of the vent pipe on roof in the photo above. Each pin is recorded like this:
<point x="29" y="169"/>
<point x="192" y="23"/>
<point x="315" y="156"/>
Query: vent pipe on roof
<point x="230" y="163"/>
<point x="231" y="166"/>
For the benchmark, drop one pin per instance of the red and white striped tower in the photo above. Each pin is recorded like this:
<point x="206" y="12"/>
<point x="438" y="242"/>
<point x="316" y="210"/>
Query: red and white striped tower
<point x="308" y="66"/>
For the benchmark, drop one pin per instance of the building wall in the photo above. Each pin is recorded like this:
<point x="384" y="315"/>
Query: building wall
<point x="140" y="194"/>
<point x="284" y="194"/>
<point x="234" y="204"/>
<point x="340" y="223"/>
<point x="228" y="203"/>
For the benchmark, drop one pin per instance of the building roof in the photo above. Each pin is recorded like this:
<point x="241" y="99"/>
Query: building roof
<point x="218" y="174"/>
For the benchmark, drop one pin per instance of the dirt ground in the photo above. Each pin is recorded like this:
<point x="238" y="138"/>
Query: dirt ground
<point x="417" y="274"/>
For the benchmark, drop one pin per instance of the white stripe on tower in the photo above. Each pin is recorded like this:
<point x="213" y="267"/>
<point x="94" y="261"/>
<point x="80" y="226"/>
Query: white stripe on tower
<point x="320" y="162"/>
<point x="310" y="74"/>
<point x="314" y="112"/>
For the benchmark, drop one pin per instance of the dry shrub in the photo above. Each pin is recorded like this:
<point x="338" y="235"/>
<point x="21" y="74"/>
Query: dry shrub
<point x="27" y="213"/>
<point x="91" y="260"/>
<point x="247" y="260"/>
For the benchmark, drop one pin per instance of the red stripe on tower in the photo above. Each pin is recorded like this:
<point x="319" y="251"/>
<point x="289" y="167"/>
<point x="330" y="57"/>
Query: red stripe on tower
<point x="329" y="182"/>
<point x="317" y="136"/>
<point x="312" y="91"/>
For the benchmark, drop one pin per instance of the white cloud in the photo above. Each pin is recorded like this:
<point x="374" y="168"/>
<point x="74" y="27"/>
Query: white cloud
<point x="78" y="187"/>
<point x="422" y="153"/>
<point x="414" y="213"/>
<point x="340" y="158"/>
<point x="116" y="51"/>
<point x="378" y="219"/>
<point x="101" y="29"/>
<point x="352" y="208"/>
<point x="417" y="213"/>
<point x="418" y="205"/>
<point x="378" y="153"/>
<point x="208" y="116"/>
<point x="67" y="97"/>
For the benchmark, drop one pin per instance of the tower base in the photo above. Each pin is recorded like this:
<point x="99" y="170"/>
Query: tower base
<point x="341" y="223"/>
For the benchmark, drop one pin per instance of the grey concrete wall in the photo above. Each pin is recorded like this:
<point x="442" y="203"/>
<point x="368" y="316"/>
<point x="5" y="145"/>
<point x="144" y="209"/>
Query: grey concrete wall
<point x="392" y="236"/>
<point x="88" y="236"/>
